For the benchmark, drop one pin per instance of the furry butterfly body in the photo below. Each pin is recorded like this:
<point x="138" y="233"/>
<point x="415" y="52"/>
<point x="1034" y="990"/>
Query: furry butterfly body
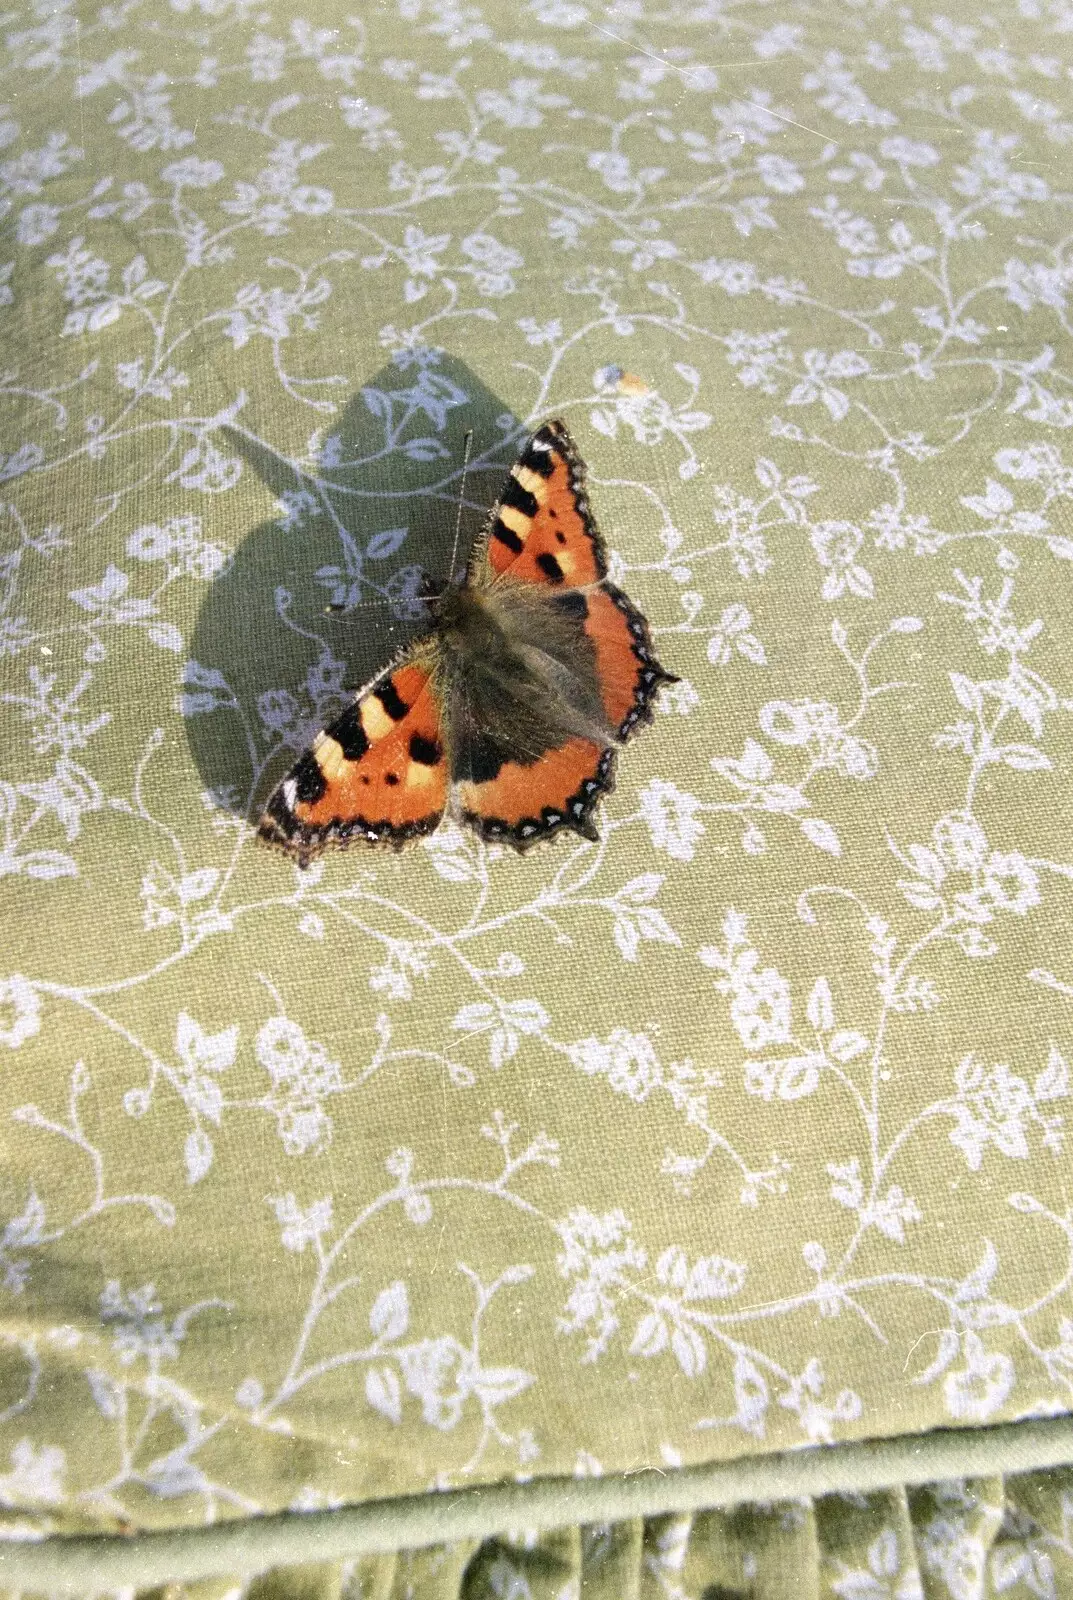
<point x="509" y="711"/>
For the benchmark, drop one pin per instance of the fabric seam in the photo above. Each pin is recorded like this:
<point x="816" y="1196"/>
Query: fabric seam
<point x="256" y="1544"/>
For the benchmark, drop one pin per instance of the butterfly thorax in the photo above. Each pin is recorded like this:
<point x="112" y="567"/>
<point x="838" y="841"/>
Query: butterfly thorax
<point x="520" y="674"/>
<point x="468" y="623"/>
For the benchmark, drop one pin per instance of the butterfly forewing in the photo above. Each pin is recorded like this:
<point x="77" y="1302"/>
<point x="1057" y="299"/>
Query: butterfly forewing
<point x="542" y="531"/>
<point x="379" y="772"/>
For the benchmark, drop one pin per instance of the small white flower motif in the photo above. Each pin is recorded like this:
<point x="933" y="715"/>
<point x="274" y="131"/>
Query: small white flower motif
<point x="788" y="722"/>
<point x="203" y="1056"/>
<point x="266" y="58"/>
<point x="817" y="723"/>
<point x="760" y="997"/>
<point x="298" y="1227"/>
<point x="779" y="174"/>
<point x="614" y="168"/>
<point x="161" y="384"/>
<point x="760" y="1007"/>
<point x="193" y="173"/>
<point x="892" y="1212"/>
<point x="954" y="1544"/>
<point x="36" y="1476"/>
<point x="751" y="120"/>
<point x="20" y="1011"/>
<point x="538" y="333"/>
<point x="373" y="122"/>
<point x="960" y="841"/>
<point x="302" y="1077"/>
<point x="628" y="1060"/>
<point x="558" y="13"/>
<point x="597" y="1253"/>
<point x="37" y="223"/>
<point x="837" y="545"/>
<point x="733" y="277"/>
<point x="296" y="506"/>
<point x="991" y="1107"/>
<point x="1031" y="284"/>
<point x="141" y="1331"/>
<point x="523" y="104"/>
<point x="178" y="542"/>
<point x="646" y="254"/>
<point x="757" y="356"/>
<point x="1040" y="462"/>
<point x="1009" y="884"/>
<point x="404" y="962"/>
<point x="439" y="1373"/>
<point x="494" y="263"/>
<point x="465" y="147"/>
<point x="1002" y="880"/>
<point x="671" y="815"/>
<point x="816" y="1418"/>
<point x="70" y="792"/>
<point x="638" y="406"/>
<point x="278" y="710"/>
<point x="282" y="1049"/>
<point x="974" y="1392"/>
<point x="894" y="529"/>
<point x="909" y="152"/>
<point x="205" y="682"/>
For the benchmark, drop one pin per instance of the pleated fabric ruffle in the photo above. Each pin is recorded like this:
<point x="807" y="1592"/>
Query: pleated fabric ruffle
<point x="961" y="1539"/>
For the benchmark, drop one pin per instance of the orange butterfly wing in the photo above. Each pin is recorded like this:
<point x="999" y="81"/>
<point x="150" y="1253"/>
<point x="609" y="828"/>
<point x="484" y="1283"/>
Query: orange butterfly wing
<point x="542" y="529"/>
<point x="523" y="804"/>
<point x="379" y="772"/>
<point x="542" y="532"/>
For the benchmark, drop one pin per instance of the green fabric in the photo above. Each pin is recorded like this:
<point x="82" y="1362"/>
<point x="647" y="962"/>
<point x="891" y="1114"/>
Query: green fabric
<point x="1022" y="1459"/>
<point x="739" y="1131"/>
<point x="953" y="1540"/>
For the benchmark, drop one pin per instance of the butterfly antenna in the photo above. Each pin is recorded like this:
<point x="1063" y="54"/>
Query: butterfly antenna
<point x="333" y="609"/>
<point x="461" y="497"/>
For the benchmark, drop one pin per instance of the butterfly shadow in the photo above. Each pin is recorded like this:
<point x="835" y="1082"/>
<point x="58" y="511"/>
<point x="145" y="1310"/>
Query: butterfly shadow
<point x="320" y="596"/>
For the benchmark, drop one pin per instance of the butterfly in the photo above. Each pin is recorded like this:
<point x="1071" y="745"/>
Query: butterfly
<point x="508" y="713"/>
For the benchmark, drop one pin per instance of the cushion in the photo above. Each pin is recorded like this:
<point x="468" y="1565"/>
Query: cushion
<point x="406" y="1198"/>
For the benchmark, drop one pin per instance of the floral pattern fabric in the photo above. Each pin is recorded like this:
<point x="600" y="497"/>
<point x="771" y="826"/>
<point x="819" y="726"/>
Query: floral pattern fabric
<point x="741" y="1129"/>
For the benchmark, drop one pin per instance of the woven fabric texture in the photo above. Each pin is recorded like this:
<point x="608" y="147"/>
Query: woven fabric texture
<point x="741" y="1129"/>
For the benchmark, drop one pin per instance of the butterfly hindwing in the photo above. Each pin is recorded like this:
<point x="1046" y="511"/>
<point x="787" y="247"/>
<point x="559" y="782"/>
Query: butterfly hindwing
<point x="379" y="772"/>
<point x="629" y="675"/>
<point x="523" y="804"/>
